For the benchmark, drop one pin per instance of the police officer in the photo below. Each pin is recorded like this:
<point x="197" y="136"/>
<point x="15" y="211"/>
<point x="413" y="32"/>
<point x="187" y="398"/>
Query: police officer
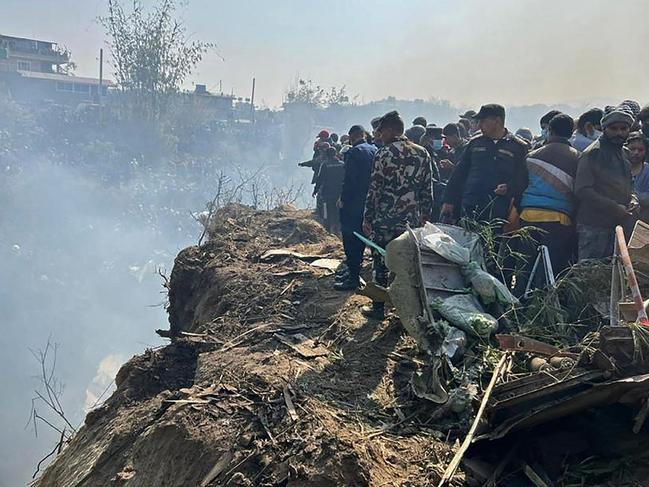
<point x="400" y="193"/>
<point x="358" y="168"/>
<point x="492" y="173"/>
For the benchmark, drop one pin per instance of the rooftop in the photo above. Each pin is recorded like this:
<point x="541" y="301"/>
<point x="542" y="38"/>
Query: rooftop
<point x="64" y="78"/>
<point x="3" y="36"/>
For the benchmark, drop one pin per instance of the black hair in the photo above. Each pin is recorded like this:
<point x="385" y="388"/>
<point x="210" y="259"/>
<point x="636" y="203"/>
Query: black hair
<point x="562" y="125"/>
<point x="392" y="120"/>
<point x="594" y="116"/>
<point x="549" y="116"/>
<point x="420" y="121"/>
<point x="356" y="130"/>
<point x="334" y="137"/>
<point x="451" y="129"/>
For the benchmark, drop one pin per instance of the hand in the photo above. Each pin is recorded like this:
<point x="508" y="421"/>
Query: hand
<point x="313" y="195"/>
<point x="367" y="228"/>
<point x="447" y="209"/>
<point x="446" y="163"/>
<point x="622" y="212"/>
<point x="633" y="206"/>
<point x="339" y="203"/>
<point x="501" y="189"/>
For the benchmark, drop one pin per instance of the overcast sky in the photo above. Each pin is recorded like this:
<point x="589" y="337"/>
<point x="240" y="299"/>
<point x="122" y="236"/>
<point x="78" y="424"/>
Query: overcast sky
<point x="467" y="51"/>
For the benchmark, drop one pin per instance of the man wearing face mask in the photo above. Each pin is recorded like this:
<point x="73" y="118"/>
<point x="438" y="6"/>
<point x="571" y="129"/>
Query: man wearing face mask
<point x="589" y="129"/>
<point x="604" y="187"/>
<point x="433" y="142"/>
<point x="544" y="123"/>
<point x="491" y="174"/>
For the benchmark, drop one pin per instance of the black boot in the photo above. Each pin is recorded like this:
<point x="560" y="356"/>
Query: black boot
<point x="349" y="284"/>
<point x="374" y="312"/>
<point x="343" y="276"/>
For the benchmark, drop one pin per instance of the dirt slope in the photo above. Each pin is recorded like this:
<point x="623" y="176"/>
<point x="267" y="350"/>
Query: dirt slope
<point x="272" y="378"/>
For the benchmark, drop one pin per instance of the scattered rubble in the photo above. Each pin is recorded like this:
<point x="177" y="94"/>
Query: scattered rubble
<point x="273" y="378"/>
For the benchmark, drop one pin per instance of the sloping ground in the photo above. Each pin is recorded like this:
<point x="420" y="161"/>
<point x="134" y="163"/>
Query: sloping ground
<point x="272" y="378"/>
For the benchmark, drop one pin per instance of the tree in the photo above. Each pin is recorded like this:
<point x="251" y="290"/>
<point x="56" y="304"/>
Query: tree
<point x="307" y="92"/>
<point x="151" y="53"/>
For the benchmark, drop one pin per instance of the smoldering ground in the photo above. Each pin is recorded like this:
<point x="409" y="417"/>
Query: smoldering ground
<point x="79" y="261"/>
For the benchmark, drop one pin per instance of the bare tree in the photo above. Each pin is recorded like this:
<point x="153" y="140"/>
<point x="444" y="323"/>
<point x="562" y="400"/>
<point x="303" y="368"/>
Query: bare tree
<point x="48" y="396"/>
<point x="152" y="55"/>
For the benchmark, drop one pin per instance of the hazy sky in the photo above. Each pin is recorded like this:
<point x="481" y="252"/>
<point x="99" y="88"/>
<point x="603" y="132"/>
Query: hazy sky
<point x="467" y="51"/>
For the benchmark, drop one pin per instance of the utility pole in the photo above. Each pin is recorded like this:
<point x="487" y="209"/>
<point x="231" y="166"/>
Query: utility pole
<point x="101" y="85"/>
<point x="252" y="103"/>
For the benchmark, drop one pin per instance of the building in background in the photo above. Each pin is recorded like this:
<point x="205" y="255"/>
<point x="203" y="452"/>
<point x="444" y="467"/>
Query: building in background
<point x="35" y="71"/>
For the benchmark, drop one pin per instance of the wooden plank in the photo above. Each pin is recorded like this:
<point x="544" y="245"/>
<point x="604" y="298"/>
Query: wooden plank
<point x="218" y="468"/>
<point x="304" y="346"/>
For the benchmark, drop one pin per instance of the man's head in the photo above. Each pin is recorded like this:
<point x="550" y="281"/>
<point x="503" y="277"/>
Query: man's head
<point x="334" y="138"/>
<point x="356" y="133"/>
<point x="376" y="122"/>
<point x="323" y="135"/>
<point x="632" y="106"/>
<point x="390" y="127"/>
<point x="525" y="134"/>
<point x="467" y="124"/>
<point x="452" y="134"/>
<point x="415" y="133"/>
<point x="561" y="125"/>
<point x="420" y="121"/>
<point x="469" y="117"/>
<point x="637" y="145"/>
<point x="617" y="125"/>
<point x="545" y="122"/>
<point x="344" y="138"/>
<point x="589" y="123"/>
<point x="491" y="120"/>
<point x="331" y="153"/>
<point x="643" y="118"/>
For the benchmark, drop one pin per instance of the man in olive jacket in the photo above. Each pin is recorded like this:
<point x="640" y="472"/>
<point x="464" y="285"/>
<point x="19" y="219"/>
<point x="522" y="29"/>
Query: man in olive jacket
<point x="604" y="187"/>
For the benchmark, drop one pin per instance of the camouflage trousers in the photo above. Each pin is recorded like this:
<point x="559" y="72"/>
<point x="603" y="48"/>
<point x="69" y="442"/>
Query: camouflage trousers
<point x="379" y="269"/>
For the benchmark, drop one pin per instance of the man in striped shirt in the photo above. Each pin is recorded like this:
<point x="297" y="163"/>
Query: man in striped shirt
<point x="548" y="202"/>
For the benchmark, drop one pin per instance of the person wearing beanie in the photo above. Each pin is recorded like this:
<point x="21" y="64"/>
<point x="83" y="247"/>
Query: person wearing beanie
<point x="525" y="134"/>
<point x="415" y="132"/>
<point x="421" y="121"/>
<point x="400" y="194"/>
<point x="604" y="187"/>
<point x="548" y="203"/>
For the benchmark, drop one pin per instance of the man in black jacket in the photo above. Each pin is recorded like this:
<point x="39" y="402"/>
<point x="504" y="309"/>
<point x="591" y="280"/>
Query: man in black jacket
<point x="358" y="168"/>
<point x="491" y="174"/>
<point x="604" y="187"/>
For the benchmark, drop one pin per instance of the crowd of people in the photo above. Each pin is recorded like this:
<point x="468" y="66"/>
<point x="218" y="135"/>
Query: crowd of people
<point x="569" y="187"/>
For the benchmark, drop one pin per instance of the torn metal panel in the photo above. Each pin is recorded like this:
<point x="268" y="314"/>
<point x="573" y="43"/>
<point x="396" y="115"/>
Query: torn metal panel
<point x="595" y="394"/>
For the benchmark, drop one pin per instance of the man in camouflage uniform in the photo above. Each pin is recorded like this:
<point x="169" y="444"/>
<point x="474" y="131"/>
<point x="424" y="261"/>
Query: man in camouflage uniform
<point x="400" y="193"/>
